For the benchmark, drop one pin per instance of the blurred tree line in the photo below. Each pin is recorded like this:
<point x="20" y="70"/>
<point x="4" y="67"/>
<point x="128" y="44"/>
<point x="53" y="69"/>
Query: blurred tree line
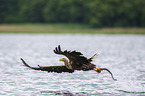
<point x="97" y="13"/>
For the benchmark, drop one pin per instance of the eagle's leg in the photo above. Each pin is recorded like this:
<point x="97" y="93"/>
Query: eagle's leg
<point x="98" y="70"/>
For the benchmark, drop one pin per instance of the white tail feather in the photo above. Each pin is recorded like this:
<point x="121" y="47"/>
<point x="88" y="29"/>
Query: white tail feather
<point x="94" y="56"/>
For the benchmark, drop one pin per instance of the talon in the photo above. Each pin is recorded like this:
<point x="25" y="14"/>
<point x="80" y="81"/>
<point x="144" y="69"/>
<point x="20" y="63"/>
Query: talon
<point x="98" y="70"/>
<point x="101" y="69"/>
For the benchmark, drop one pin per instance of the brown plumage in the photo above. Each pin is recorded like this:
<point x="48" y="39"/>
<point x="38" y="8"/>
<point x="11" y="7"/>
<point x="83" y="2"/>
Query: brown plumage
<point x="74" y="61"/>
<point x="57" y="68"/>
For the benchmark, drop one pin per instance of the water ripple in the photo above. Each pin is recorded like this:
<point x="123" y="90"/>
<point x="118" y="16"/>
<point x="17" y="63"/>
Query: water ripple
<point x="122" y="54"/>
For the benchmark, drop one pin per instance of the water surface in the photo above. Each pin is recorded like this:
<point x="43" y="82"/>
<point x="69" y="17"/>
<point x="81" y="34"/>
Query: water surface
<point x="124" y="55"/>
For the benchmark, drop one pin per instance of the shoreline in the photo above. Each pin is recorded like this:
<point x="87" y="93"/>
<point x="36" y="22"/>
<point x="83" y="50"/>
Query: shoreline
<point x="65" y="29"/>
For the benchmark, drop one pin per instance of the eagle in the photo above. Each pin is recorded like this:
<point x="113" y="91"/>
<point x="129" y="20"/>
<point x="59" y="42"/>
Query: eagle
<point x="74" y="61"/>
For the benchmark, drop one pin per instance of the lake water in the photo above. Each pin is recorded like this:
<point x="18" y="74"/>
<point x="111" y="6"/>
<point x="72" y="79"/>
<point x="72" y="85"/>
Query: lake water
<point x="123" y="55"/>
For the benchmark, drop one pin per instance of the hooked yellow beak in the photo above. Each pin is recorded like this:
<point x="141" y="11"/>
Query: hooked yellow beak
<point x="61" y="59"/>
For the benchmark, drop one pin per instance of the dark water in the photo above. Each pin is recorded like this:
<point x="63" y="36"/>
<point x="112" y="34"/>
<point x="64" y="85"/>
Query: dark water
<point x="124" y="55"/>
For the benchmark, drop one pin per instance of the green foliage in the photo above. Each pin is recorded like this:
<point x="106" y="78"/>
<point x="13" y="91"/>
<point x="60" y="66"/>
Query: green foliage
<point x="64" y="11"/>
<point x="97" y="13"/>
<point x="32" y="10"/>
<point x="8" y="10"/>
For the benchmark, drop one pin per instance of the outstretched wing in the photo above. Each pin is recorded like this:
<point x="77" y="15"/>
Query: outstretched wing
<point x="76" y="57"/>
<point x="58" y="69"/>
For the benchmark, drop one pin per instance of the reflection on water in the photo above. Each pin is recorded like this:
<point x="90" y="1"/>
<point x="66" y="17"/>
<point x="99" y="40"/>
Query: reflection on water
<point x="123" y="55"/>
<point x="130" y="92"/>
<point x="64" y="93"/>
